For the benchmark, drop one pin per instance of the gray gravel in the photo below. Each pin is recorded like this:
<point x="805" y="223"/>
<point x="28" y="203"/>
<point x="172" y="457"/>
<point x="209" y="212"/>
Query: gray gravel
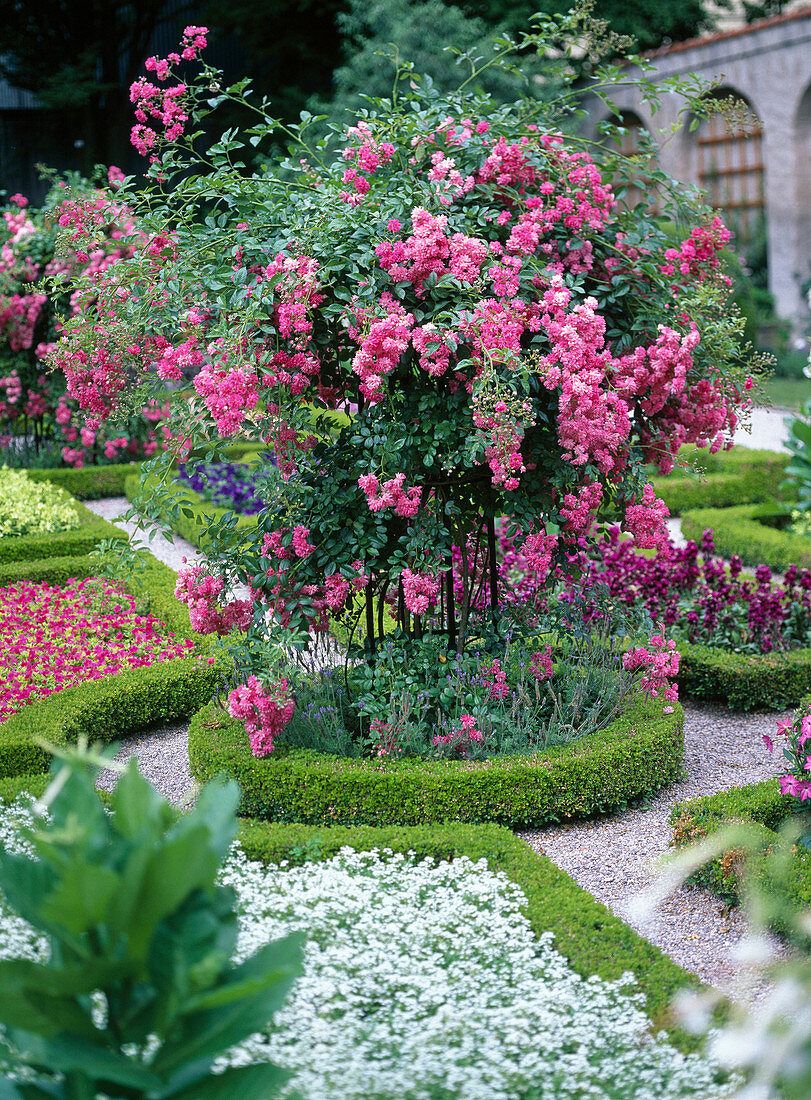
<point x="170" y="552"/>
<point x="163" y="757"/>
<point x="766" y="430"/>
<point x="616" y="858"/>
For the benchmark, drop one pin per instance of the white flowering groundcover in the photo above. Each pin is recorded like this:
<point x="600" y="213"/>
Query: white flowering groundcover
<point x="426" y="982"/>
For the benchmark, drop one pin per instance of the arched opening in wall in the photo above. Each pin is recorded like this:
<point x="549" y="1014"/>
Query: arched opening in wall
<point x="729" y="145"/>
<point x="637" y="151"/>
<point x="803" y="205"/>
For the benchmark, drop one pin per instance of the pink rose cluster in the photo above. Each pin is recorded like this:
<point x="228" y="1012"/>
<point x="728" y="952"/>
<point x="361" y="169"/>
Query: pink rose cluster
<point x="391" y="494"/>
<point x="264" y="710"/>
<point x="52" y="638"/>
<point x="166" y="106"/>
<point x="200" y="591"/>
<point x="796" y="732"/>
<point x="659" y="663"/>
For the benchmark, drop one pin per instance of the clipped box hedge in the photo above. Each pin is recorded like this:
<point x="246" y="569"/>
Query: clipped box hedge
<point x="90" y="482"/>
<point x="639" y="753"/>
<point x="739" y="476"/>
<point x="587" y="934"/>
<point x="752" y="532"/>
<point x="115" y="705"/>
<point x="76" y="543"/>
<point x="745" y="681"/>
<point x="761" y="805"/>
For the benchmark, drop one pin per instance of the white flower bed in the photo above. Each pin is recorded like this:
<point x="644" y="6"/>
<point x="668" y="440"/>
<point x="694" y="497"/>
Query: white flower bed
<point x="426" y="982"/>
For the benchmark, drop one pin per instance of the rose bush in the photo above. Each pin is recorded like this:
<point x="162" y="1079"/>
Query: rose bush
<point x="508" y="338"/>
<point x="33" y="401"/>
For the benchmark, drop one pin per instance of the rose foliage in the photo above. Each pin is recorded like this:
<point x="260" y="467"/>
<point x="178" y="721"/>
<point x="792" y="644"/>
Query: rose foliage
<point x="508" y="337"/>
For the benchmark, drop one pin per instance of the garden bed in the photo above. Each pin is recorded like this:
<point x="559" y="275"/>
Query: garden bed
<point x="752" y="532"/>
<point x="638" y="754"/>
<point x="115" y="705"/>
<point x="739" y="476"/>
<point x="592" y="940"/>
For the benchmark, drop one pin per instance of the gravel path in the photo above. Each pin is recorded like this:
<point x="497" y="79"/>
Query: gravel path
<point x="163" y="757"/>
<point x="171" y="553"/>
<point x="767" y="430"/>
<point x="615" y="858"/>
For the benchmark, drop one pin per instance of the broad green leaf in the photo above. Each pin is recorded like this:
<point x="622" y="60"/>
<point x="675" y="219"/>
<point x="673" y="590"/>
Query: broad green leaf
<point x="80" y="900"/>
<point x="203" y="1034"/>
<point x="135" y="802"/>
<point x="244" y="1083"/>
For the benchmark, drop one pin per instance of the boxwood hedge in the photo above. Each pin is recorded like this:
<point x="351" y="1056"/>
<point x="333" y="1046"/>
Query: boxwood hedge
<point x="120" y="704"/>
<point x="752" y="531"/>
<point x="745" y="681"/>
<point x="91" y="482"/>
<point x="81" y="540"/>
<point x="739" y="476"/>
<point x="639" y="753"/>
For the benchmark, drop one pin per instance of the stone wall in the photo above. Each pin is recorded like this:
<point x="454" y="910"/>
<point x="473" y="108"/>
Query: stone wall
<point x="768" y="65"/>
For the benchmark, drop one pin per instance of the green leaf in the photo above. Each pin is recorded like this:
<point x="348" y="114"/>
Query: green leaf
<point x="72" y="1054"/>
<point x="245" y="1082"/>
<point x="269" y="974"/>
<point x="81" y="899"/>
<point x="135" y="803"/>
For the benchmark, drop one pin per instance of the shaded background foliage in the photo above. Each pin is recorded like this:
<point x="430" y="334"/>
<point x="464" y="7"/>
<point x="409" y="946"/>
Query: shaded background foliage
<point x="79" y="57"/>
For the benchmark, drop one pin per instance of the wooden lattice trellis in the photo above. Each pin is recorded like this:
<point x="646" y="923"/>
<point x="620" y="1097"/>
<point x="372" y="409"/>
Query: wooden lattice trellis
<point x="730" y="169"/>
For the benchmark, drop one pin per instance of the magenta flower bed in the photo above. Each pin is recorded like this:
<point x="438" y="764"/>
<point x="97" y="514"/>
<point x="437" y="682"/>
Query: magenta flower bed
<point x="52" y="638"/>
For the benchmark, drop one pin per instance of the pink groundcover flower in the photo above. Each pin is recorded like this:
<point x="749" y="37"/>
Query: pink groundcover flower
<point x="52" y="638"/>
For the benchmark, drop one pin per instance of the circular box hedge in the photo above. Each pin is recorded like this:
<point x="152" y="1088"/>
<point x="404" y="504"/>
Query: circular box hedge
<point x="638" y="754"/>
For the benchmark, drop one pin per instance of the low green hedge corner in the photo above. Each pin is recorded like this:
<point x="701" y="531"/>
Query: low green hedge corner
<point x="587" y="934"/>
<point x="81" y="540"/>
<point x="752" y="531"/>
<point x="739" y="476"/>
<point x="90" y="482"/>
<point x="761" y="805"/>
<point x="638" y="754"/>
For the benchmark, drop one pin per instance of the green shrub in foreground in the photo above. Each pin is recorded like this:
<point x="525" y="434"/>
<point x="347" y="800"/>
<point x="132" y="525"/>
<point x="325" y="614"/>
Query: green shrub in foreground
<point x="639" y="753"/>
<point x="129" y="904"/>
